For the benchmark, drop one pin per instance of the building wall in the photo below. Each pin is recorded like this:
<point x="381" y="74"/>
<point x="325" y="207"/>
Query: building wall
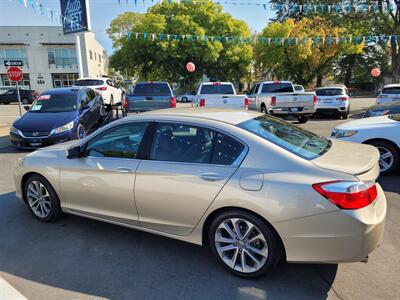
<point x="43" y="71"/>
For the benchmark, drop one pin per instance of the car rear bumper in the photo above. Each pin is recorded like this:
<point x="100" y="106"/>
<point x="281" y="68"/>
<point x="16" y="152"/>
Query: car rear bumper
<point x="335" y="237"/>
<point x="34" y="143"/>
<point x="291" y="111"/>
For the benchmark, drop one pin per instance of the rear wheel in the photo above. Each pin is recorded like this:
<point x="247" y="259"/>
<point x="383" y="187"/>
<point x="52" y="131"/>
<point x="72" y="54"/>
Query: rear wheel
<point x="244" y="244"/>
<point x="263" y="108"/>
<point x="389" y="156"/>
<point x="302" y="119"/>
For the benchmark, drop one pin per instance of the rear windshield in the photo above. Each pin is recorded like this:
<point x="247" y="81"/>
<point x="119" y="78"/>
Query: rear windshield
<point x="55" y="103"/>
<point x="283" y="87"/>
<point x="88" y="82"/>
<point x="391" y="90"/>
<point x="290" y="137"/>
<point x="151" y="89"/>
<point x="298" y="88"/>
<point x="329" y="92"/>
<point x="225" y="89"/>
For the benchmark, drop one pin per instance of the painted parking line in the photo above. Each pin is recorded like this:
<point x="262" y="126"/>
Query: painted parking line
<point x="8" y="292"/>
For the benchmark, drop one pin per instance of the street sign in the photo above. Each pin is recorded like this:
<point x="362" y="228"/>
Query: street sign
<point x="14" y="74"/>
<point x="13" y="63"/>
<point x="75" y="16"/>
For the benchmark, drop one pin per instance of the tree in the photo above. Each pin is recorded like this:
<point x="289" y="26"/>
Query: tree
<point x="302" y="63"/>
<point x="157" y="57"/>
<point x="121" y="25"/>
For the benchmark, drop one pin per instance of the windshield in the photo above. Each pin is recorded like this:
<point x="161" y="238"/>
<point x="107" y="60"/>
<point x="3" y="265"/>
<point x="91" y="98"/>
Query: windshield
<point x="151" y="89"/>
<point x="217" y="89"/>
<point x="282" y="87"/>
<point x="329" y="92"/>
<point x="391" y="90"/>
<point x="54" y="103"/>
<point x="88" y="82"/>
<point x="290" y="137"/>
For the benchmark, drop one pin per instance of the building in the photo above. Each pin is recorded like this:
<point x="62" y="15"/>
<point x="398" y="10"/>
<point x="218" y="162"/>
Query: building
<point x="49" y="57"/>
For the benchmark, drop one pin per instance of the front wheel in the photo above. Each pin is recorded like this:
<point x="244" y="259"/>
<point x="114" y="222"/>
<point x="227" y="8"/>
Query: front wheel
<point x="263" y="109"/>
<point x="244" y="244"/>
<point x="80" y="131"/>
<point x="302" y="119"/>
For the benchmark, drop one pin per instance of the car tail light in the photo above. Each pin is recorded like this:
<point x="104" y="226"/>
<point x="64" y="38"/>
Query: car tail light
<point x="315" y="99"/>
<point x="202" y="102"/>
<point x="246" y="103"/>
<point x="172" y="102"/>
<point x="273" y="101"/>
<point x="126" y="103"/>
<point x="348" y="194"/>
<point x="343" y="99"/>
<point x="102" y="88"/>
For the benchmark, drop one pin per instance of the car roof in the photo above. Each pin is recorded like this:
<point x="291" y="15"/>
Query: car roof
<point x="392" y="85"/>
<point x="94" y="78"/>
<point x="232" y="116"/>
<point x="331" y="87"/>
<point x="64" y="91"/>
<point x="151" y="82"/>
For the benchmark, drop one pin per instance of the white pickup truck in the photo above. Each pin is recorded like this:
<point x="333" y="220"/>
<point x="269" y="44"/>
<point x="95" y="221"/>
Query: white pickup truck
<point x="220" y="95"/>
<point x="280" y="98"/>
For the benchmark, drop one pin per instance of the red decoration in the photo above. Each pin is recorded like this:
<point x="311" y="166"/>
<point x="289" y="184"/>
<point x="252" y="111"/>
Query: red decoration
<point x="14" y="74"/>
<point x="375" y="72"/>
<point x="190" y="67"/>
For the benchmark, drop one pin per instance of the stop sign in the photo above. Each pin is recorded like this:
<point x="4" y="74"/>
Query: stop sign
<point x="14" y="74"/>
<point x="375" y="72"/>
<point x="190" y="67"/>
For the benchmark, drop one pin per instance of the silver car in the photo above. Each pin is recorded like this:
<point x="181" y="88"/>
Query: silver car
<point x="255" y="188"/>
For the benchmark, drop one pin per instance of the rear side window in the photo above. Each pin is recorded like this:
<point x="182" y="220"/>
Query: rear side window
<point x="151" y="89"/>
<point x="329" y="92"/>
<point x="88" y="82"/>
<point x="391" y="90"/>
<point x="277" y="88"/>
<point x="193" y="144"/>
<point x="226" y="89"/>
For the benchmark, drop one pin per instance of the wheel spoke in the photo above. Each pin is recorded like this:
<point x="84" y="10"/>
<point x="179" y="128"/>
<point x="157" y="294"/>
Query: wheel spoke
<point x="384" y="164"/>
<point x="229" y="230"/>
<point x="262" y="252"/>
<point x="236" y="225"/>
<point x="252" y="257"/>
<point x="234" y="258"/>
<point x="32" y="190"/>
<point x="259" y="236"/>
<point x="250" y="227"/>
<point x="386" y="155"/>
<point x="243" y="260"/>
<point x="219" y="238"/>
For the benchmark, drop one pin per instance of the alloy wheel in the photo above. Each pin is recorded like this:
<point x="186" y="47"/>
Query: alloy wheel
<point x="241" y="245"/>
<point x="386" y="158"/>
<point x="81" y="131"/>
<point x="38" y="199"/>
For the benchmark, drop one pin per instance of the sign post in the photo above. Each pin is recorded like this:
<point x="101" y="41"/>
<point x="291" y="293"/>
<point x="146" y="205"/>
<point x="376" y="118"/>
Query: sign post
<point x="15" y="74"/>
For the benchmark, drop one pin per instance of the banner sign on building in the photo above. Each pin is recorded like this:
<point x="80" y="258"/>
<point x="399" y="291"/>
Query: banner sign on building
<point x="74" y="16"/>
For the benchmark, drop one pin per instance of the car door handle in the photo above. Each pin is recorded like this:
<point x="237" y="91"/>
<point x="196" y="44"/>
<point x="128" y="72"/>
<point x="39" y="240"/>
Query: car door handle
<point x="211" y="177"/>
<point x="124" y="170"/>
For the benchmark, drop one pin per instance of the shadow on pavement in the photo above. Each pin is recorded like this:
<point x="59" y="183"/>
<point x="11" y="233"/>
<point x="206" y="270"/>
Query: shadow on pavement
<point x="100" y="259"/>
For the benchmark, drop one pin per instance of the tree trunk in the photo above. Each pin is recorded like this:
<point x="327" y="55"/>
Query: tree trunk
<point x="394" y="57"/>
<point x="319" y="80"/>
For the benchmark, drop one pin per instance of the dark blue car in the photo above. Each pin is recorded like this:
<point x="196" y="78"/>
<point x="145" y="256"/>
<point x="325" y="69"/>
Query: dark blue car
<point x="58" y="115"/>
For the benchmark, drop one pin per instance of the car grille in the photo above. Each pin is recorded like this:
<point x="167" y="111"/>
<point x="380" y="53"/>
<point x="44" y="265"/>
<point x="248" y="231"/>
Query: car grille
<point x="36" y="134"/>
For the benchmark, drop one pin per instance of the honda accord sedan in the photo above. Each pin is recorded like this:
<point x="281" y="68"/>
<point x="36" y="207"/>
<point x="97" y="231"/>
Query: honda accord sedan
<point x="256" y="189"/>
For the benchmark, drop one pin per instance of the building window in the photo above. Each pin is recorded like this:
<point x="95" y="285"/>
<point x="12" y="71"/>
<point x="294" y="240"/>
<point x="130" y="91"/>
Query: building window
<point x="13" y="53"/>
<point x="64" y="80"/>
<point x="95" y="56"/>
<point x="62" y="57"/>
<point x="90" y="54"/>
<point x="25" y="82"/>
<point x="99" y="58"/>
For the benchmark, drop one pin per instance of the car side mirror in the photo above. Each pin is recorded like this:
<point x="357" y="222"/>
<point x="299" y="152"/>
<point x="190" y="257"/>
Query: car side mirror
<point x="74" y="152"/>
<point x="27" y="107"/>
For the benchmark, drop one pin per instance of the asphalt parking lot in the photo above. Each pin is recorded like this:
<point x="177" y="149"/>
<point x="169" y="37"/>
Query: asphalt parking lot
<point x="77" y="258"/>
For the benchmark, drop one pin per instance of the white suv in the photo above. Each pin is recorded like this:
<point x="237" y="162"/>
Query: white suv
<point x="105" y="87"/>
<point x="333" y="100"/>
<point x="389" y="93"/>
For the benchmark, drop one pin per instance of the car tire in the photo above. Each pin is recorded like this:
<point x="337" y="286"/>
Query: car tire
<point x="263" y="109"/>
<point x="261" y="255"/>
<point x="302" y="119"/>
<point x="392" y="159"/>
<point x="80" y="131"/>
<point x="41" y="198"/>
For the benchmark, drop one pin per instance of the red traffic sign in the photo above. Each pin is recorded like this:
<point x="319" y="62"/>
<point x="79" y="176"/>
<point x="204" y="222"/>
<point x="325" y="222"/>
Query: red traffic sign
<point x="14" y="74"/>
<point x="375" y="72"/>
<point x="190" y="67"/>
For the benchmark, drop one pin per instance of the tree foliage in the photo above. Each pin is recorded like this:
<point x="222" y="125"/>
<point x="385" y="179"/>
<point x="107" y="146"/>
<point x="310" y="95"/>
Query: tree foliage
<point x="302" y="63"/>
<point x="166" y="59"/>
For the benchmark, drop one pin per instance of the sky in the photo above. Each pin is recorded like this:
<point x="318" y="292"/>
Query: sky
<point x="12" y="13"/>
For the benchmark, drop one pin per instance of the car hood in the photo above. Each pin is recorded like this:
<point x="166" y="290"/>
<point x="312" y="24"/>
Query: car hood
<point x="366" y="122"/>
<point x="350" y="158"/>
<point x="44" y="121"/>
<point x="53" y="151"/>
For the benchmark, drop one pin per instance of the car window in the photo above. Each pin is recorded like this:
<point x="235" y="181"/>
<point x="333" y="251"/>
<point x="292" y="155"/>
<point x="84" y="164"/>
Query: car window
<point x="55" y="103"/>
<point x="151" y="89"/>
<point x="122" y="141"/>
<point x="86" y="98"/>
<point x="329" y="92"/>
<point x="88" y="82"/>
<point x="217" y="88"/>
<point x="109" y="82"/>
<point x="391" y="90"/>
<point x="288" y="136"/>
<point x="282" y="87"/>
<point x="193" y="144"/>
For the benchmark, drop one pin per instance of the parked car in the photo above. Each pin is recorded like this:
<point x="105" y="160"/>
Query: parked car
<point x="390" y="93"/>
<point x="280" y="98"/>
<point x="253" y="187"/>
<point x="383" y="109"/>
<point x="109" y="91"/>
<point x="220" y="95"/>
<point x="188" y="97"/>
<point x="148" y="96"/>
<point x="26" y="96"/>
<point x="299" y="88"/>
<point x="381" y="132"/>
<point x="58" y="115"/>
<point x="333" y="100"/>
